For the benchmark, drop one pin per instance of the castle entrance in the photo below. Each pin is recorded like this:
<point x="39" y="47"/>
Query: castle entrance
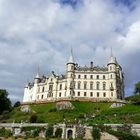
<point x="69" y="134"/>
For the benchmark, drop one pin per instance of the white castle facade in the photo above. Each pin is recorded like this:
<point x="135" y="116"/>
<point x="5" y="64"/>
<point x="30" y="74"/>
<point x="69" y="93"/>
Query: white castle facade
<point x="79" y="83"/>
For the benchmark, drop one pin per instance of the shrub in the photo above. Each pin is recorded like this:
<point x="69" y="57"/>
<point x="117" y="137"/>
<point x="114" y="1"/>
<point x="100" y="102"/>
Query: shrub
<point x="58" y="133"/>
<point x="96" y="133"/>
<point x="33" y="118"/>
<point x="17" y="104"/>
<point x="5" y="132"/>
<point x="49" y="132"/>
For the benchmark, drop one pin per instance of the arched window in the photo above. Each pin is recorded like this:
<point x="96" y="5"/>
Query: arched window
<point x="110" y="67"/>
<point x="97" y="94"/>
<point x="104" y="94"/>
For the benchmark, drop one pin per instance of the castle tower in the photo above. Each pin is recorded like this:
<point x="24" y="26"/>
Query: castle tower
<point x="112" y="64"/>
<point x="70" y="76"/>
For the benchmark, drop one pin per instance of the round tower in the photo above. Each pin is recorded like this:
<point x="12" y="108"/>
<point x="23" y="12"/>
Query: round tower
<point x="70" y="76"/>
<point x="112" y="68"/>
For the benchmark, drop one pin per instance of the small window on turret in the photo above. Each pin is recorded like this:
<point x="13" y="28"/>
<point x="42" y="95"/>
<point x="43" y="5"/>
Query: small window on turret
<point x="72" y="68"/>
<point x="110" y="67"/>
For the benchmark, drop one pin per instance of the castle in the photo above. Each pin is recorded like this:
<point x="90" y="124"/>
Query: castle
<point x="79" y="83"/>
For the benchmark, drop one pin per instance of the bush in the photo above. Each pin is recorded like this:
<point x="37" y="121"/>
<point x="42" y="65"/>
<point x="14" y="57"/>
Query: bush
<point x="5" y="132"/>
<point x="49" y="132"/>
<point x="17" y="104"/>
<point x="96" y="133"/>
<point x="58" y="133"/>
<point x="33" y="118"/>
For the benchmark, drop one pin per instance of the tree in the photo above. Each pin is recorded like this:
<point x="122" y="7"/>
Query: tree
<point x="5" y="103"/>
<point x="17" y="104"/>
<point x="137" y="88"/>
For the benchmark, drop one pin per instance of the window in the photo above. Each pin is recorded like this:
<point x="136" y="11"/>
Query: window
<point x="91" y="94"/>
<point x="111" y="76"/>
<point x="85" y="94"/>
<point x="91" y="85"/>
<point x="97" y="85"/>
<point x="111" y="85"/>
<point x="42" y="97"/>
<point x="91" y="76"/>
<point x="104" y="86"/>
<point x="110" y="67"/>
<point x="85" y="76"/>
<point x="79" y="85"/>
<point x="103" y="76"/>
<point x="42" y="89"/>
<point x="59" y="94"/>
<point x="79" y="76"/>
<point x="78" y="93"/>
<point x="73" y="93"/>
<point x="111" y="93"/>
<point x="38" y="97"/>
<point x="60" y="86"/>
<point x="72" y="68"/>
<point x="104" y="94"/>
<point x="97" y="94"/>
<point x="97" y="76"/>
<point x="85" y="85"/>
<point x="50" y="87"/>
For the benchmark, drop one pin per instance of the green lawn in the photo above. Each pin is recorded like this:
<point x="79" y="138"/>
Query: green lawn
<point x="83" y="112"/>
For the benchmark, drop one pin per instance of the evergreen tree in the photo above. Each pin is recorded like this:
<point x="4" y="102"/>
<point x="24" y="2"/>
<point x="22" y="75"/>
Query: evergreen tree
<point x="5" y="103"/>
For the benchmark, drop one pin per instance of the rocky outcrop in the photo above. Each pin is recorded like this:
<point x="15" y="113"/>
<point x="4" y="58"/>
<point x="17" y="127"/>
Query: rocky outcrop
<point x="64" y="105"/>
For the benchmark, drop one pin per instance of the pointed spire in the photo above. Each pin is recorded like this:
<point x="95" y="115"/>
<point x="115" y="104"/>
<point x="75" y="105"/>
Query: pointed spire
<point x="111" y="53"/>
<point x="71" y="60"/>
<point x="38" y="73"/>
<point x="112" y="58"/>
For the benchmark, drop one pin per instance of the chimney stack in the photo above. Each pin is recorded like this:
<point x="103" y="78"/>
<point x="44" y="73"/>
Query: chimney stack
<point x="91" y="64"/>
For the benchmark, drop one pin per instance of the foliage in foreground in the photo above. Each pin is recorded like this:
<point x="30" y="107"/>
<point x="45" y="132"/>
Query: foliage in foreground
<point x="5" y="103"/>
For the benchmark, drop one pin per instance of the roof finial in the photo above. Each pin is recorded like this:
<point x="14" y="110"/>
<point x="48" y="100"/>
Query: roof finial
<point x="111" y="53"/>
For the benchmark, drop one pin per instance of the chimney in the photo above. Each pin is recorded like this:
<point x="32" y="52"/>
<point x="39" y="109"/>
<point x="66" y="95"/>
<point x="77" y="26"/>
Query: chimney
<point x="91" y="64"/>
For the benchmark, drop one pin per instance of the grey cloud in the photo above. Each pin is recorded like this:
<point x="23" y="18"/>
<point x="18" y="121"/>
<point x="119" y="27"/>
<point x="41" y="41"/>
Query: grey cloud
<point x="42" y="32"/>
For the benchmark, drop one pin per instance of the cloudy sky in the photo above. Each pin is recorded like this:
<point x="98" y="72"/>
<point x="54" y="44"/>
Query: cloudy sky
<point x="41" y="32"/>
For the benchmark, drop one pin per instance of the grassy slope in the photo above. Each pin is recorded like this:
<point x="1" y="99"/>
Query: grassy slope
<point x="47" y="113"/>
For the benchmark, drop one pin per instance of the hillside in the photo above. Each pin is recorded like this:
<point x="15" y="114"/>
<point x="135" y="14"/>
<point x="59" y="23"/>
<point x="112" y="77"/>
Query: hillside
<point x="85" y="112"/>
